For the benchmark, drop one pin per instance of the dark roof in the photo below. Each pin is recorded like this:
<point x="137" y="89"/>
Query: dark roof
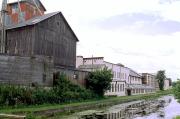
<point x="134" y="73"/>
<point x="29" y="1"/>
<point x="39" y="19"/>
<point x="33" y="21"/>
<point x="93" y="58"/>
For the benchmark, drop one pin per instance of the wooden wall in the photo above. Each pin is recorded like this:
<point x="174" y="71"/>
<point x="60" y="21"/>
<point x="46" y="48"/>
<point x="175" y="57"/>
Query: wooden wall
<point x="54" y="38"/>
<point x="20" y="41"/>
<point x="51" y="37"/>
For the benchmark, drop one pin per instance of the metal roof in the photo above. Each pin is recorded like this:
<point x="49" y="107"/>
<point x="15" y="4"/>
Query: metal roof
<point x="38" y="19"/>
<point x="94" y="66"/>
<point x="138" y="86"/>
<point x="33" y="21"/>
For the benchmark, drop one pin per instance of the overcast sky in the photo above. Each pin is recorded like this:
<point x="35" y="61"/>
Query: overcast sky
<point x="141" y="34"/>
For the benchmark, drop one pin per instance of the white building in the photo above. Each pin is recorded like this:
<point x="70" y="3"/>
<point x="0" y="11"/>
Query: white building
<point x="167" y="84"/>
<point x="125" y="80"/>
<point x="120" y="74"/>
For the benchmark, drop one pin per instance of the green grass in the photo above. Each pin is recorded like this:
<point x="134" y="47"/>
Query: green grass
<point x="178" y="117"/>
<point x="100" y="102"/>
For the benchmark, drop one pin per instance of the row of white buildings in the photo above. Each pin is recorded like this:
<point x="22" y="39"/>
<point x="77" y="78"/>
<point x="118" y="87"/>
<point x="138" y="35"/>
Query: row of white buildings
<point x="125" y="80"/>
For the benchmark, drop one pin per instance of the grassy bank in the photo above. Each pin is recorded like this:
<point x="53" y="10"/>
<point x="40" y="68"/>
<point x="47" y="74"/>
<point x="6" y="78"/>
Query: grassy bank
<point x="49" y="110"/>
<point x="178" y="117"/>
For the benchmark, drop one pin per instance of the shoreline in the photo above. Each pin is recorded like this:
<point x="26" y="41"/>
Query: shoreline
<point x="50" y="110"/>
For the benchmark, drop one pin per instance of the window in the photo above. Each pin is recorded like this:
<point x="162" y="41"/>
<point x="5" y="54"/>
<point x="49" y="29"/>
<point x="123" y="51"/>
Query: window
<point x="14" y="8"/>
<point x="114" y="75"/>
<point x="118" y="87"/>
<point x="123" y="87"/>
<point x="112" y="87"/>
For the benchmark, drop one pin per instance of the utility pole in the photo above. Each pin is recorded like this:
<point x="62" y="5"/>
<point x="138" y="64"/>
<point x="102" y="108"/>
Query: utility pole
<point x="92" y="63"/>
<point x="3" y="23"/>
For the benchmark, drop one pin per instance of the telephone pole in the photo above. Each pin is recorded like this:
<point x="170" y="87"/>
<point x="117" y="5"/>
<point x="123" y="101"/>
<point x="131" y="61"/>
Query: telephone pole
<point x="3" y="26"/>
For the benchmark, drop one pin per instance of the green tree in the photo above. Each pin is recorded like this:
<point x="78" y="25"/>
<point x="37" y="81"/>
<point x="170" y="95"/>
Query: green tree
<point x="100" y="81"/>
<point x="176" y="90"/>
<point x="161" y="77"/>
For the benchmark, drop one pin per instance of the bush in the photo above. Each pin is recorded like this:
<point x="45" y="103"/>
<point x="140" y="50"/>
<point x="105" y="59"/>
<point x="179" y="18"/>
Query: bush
<point x="63" y="91"/>
<point x="99" y="81"/>
<point x="176" y="90"/>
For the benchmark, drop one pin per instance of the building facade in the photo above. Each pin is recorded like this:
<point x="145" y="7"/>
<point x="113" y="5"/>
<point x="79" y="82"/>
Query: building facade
<point x="135" y="84"/>
<point x="38" y="48"/>
<point x="167" y="83"/>
<point x="125" y="81"/>
<point x="120" y="74"/>
<point x="150" y="80"/>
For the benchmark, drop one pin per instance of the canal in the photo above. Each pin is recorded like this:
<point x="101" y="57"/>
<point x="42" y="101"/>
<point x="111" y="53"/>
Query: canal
<point x="165" y="107"/>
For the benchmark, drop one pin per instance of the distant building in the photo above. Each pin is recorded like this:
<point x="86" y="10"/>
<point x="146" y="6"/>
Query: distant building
<point x="167" y="83"/>
<point x="150" y="80"/>
<point x="125" y="80"/>
<point x="120" y="74"/>
<point x="135" y="85"/>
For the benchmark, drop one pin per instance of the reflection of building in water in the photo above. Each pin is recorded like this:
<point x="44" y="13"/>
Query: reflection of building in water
<point x="125" y="80"/>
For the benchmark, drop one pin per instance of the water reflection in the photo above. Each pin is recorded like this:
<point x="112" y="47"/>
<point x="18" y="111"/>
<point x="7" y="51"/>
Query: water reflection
<point x="163" y="108"/>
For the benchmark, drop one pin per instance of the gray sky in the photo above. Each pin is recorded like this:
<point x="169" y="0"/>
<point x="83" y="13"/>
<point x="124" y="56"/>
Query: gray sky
<point x="141" y="34"/>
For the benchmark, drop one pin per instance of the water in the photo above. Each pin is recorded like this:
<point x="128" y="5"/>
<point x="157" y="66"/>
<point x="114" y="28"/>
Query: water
<point x="163" y="108"/>
<point x="171" y="110"/>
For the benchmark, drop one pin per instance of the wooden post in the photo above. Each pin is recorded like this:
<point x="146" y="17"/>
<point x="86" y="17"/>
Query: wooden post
<point x="3" y="30"/>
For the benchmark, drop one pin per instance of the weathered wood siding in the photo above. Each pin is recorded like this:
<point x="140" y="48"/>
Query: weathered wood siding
<point x="20" y="40"/>
<point x="54" y="38"/>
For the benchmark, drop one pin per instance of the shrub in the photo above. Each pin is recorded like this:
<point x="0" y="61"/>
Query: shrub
<point x="176" y="90"/>
<point x="99" y="81"/>
<point x="63" y="91"/>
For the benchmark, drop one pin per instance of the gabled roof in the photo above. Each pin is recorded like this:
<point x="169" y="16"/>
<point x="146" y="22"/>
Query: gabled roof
<point x="39" y="19"/>
<point x="33" y="21"/>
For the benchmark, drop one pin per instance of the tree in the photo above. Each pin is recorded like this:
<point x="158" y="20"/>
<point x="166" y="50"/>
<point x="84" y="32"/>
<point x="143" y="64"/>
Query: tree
<point x="100" y="81"/>
<point x="176" y="90"/>
<point x="161" y="77"/>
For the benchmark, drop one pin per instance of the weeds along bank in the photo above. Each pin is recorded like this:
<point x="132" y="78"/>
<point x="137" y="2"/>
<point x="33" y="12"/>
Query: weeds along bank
<point x="62" y="92"/>
<point x="176" y="90"/>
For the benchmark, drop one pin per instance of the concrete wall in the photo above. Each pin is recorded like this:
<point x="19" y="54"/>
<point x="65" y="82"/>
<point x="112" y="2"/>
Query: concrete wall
<point x="26" y="70"/>
<point x="166" y="84"/>
<point x="77" y="77"/>
<point x="79" y="61"/>
<point x="38" y="70"/>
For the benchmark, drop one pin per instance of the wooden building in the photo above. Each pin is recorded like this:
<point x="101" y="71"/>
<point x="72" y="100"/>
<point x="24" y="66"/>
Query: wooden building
<point x="47" y="35"/>
<point x="38" y="48"/>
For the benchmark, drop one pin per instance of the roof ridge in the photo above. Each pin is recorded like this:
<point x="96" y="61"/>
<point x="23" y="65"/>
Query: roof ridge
<point x="34" y="20"/>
